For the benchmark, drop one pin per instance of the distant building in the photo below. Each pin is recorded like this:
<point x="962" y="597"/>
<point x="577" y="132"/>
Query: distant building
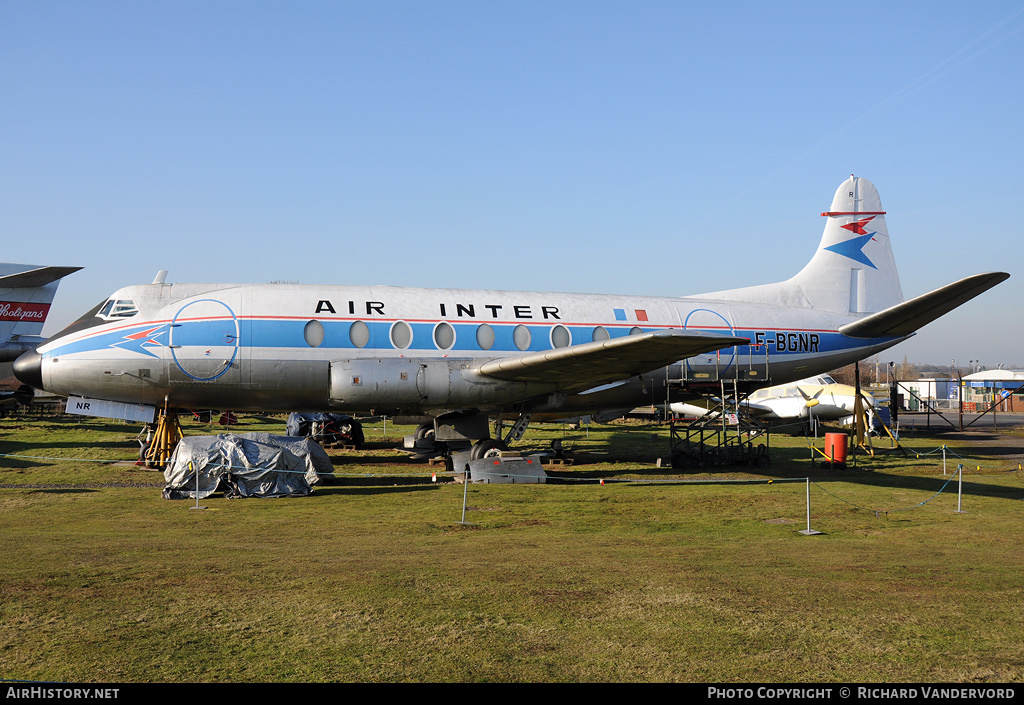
<point x="938" y="392"/>
<point x="988" y="386"/>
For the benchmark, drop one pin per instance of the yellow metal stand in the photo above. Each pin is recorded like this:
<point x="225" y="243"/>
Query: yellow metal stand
<point x="863" y="436"/>
<point x="165" y="440"/>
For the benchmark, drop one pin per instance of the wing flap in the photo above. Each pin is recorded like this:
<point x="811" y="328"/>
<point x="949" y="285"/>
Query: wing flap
<point x="588" y="364"/>
<point x="907" y="317"/>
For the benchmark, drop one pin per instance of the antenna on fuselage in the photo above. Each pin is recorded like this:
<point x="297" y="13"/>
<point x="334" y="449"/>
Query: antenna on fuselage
<point x="161" y="276"/>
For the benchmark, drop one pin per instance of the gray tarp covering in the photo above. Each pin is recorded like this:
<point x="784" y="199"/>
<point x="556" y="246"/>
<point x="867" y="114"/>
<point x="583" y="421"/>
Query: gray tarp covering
<point x="245" y="465"/>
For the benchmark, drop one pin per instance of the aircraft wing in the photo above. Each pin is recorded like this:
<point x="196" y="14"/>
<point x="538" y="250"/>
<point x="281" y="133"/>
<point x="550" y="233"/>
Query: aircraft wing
<point x="907" y="317"/>
<point x="589" y="364"/>
<point x="41" y="276"/>
<point x="699" y="407"/>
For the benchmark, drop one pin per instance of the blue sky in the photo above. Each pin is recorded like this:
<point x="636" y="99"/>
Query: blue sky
<point x="661" y="148"/>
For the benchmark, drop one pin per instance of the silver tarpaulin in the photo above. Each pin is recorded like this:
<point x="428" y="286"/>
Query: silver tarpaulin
<point x="245" y="465"/>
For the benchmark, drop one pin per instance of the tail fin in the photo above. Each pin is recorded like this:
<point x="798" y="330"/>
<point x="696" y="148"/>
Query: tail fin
<point x="26" y="292"/>
<point x="853" y="269"/>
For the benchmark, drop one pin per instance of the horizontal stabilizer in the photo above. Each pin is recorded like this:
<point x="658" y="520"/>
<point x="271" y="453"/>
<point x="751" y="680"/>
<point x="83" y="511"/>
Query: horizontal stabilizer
<point x="40" y="276"/>
<point x="588" y="364"/>
<point x="909" y="316"/>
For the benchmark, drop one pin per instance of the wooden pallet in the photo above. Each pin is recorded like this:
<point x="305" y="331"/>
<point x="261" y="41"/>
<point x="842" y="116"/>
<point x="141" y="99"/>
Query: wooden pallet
<point x="337" y="446"/>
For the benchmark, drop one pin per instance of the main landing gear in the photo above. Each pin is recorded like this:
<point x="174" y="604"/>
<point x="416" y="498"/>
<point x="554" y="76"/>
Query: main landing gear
<point x="449" y="436"/>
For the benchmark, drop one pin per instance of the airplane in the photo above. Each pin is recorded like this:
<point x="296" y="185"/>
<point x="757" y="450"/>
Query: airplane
<point x="819" y="397"/>
<point x="456" y="357"/>
<point x="26" y="291"/>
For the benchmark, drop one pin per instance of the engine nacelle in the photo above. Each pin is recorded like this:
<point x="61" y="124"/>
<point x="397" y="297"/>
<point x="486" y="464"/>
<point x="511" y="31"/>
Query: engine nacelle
<point x="406" y="386"/>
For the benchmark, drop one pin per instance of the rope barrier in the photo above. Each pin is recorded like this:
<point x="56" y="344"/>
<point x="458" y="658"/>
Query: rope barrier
<point x="567" y="480"/>
<point x="879" y="512"/>
<point x="977" y="466"/>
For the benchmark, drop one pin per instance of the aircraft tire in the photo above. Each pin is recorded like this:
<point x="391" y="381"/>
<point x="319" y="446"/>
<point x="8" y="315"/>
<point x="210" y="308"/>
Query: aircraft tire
<point x="143" y="459"/>
<point x="486" y="448"/>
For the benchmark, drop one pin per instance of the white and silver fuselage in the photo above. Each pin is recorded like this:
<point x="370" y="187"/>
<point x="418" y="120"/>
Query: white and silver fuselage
<point x="283" y="347"/>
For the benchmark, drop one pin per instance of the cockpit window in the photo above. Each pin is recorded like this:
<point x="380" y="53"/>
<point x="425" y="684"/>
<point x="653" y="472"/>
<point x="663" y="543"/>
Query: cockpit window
<point x="827" y="379"/>
<point x="118" y="308"/>
<point x="89" y="319"/>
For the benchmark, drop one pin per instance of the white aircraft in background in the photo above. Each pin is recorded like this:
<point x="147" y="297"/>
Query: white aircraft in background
<point x="819" y="397"/>
<point x="26" y="291"/>
<point x="454" y="357"/>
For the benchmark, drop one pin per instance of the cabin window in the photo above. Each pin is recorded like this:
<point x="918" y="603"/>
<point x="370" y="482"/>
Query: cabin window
<point x="521" y="337"/>
<point x="314" y="334"/>
<point x="485" y="336"/>
<point x="401" y="334"/>
<point x="118" y="308"/>
<point x="359" y="334"/>
<point x="444" y="336"/>
<point x="600" y="333"/>
<point x="560" y="337"/>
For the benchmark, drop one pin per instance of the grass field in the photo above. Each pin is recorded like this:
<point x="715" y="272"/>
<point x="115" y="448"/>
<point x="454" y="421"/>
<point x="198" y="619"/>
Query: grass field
<point x="655" y="575"/>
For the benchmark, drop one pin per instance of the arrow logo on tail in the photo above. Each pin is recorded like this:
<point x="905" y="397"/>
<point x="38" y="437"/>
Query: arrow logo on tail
<point x="854" y="249"/>
<point x="858" y="226"/>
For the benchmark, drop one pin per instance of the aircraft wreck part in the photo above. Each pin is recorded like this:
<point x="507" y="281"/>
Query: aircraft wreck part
<point x="326" y="429"/>
<point x="505" y="470"/>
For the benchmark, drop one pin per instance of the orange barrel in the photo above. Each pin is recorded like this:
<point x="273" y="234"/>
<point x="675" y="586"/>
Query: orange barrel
<point x="835" y="447"/>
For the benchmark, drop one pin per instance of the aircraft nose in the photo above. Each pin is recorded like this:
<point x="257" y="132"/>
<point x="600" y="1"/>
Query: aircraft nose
<point x="29" y="369"/>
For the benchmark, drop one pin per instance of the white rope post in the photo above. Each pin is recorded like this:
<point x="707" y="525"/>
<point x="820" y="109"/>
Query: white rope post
<point x="809" y="531"/>
<point x="960" y="489"/>
<point x="808" y="504"/>
<point x="197" y="487"/>
<point x="465" y="491"/>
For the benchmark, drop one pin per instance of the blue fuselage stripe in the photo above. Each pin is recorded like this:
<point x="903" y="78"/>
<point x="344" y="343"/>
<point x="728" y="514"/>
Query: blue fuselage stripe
<point x="280" y="334"/>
